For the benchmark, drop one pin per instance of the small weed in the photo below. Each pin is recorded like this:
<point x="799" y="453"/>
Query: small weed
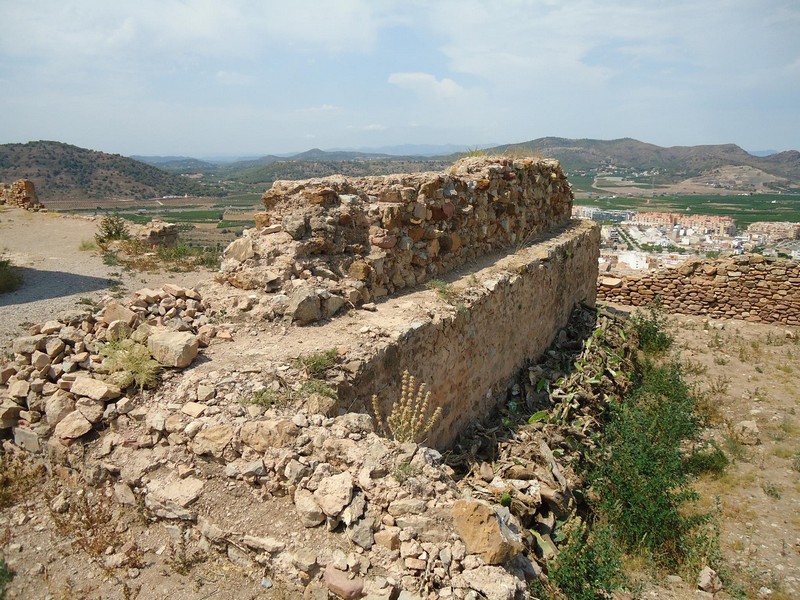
<point x="734" y="448"/>
<point x="446" y="291"/>
<point x="132" y="361"/>
<point x="315" y="386"/>
<point x="796" y="461"/>
<point x="316" y="364"/>
<point x="90" y="521"/>
<point x="410" y="419"/>
<point x="771" y="490"/>
<point x="10" y="277"/>
<point x="785" y="367"/>
<point x="694" y="368"/>
<point x="181" y="559"/>
<point x="88" y="246"/>
<point x="721" y="360"/>
<point x="719" y="385"/>
<point x="404" y="471"/>
<point x="268" y="398"/>
<point x="18" y="475"/>
<point x="110" y="259"/>
<point x="650" y="326"/>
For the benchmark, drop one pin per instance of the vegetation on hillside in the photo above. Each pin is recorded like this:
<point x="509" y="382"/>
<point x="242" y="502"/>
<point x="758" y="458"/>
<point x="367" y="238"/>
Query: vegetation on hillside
<point x="63" y="171"/>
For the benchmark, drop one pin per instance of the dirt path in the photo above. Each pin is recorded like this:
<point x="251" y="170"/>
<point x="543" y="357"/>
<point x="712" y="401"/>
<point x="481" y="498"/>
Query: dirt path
<point x="57" y="273"/>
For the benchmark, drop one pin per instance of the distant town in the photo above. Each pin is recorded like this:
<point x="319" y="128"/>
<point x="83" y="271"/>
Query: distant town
<point x="641" y="241"/>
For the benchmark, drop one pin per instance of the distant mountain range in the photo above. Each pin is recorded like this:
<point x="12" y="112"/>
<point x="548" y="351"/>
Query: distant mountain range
<point x="63" y="171"/>
<point x="688" y="161"/>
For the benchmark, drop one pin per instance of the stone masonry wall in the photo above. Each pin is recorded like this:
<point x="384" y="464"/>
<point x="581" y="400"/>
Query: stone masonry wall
<point x="323" y="243"/>
<point x="753" y="288"/>
<point x="470" y="357"/>
<point x="21" y="193"/>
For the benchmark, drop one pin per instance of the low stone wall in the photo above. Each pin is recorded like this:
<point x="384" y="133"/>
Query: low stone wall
<point x="750" y="287"/>
<point x="21" y="193"/>
<point x="326" y="242"/>
<point x="470" y="357"/>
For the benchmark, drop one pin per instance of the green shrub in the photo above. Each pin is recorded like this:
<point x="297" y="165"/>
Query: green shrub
<point x="650" y="326"/>
<point x="6" y="575"/>
<point x="317" y="363"/>
<point x="267" y="398"/>
<point x="10" y="277"/>
<point x="712" y="461"/>
<point x="641" y="479"/>
<point x="111" y="227"/>
<point x="133" y="361"/>
<point x="588" y="566"/>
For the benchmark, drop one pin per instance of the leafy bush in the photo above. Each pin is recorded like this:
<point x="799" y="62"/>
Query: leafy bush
<point x="111" y="227"/>
<point x="650" y="326"/>
<point x="588" y="566"/>
<point x="10" y="277"/>
<point x="641" y="479"/>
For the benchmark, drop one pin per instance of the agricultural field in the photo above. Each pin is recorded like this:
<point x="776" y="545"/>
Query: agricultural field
<point x="202" y="222"/>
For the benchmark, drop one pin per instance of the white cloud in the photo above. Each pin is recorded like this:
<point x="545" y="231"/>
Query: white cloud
<point x="234" y="78"/>
<point x="323" y="108"/>
<point x="427" y="85"/>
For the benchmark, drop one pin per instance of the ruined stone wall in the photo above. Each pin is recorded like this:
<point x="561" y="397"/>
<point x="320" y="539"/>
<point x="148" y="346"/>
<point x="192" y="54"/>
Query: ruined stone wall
<point x="323" y="243"/>
<point x="21" y="193"/>
<point x="753" y="288"/>
<point x="470" y="357"/>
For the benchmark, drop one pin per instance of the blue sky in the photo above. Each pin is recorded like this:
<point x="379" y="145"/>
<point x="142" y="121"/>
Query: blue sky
<point x="204" y="77"/>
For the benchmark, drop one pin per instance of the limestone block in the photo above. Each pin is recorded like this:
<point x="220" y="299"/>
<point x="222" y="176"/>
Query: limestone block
<point x="173" y="348"/>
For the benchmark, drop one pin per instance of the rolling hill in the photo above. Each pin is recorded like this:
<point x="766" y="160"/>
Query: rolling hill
<point x="681" y="161"/>
<point x="62" y="171"/>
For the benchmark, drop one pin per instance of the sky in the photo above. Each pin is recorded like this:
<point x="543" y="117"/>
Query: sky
<point x="246" y="77"/>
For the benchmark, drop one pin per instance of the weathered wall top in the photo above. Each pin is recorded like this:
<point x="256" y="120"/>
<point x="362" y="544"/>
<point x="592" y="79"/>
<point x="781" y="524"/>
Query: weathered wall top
<point x="325" y="242"/>
<point x="21" y="193"/>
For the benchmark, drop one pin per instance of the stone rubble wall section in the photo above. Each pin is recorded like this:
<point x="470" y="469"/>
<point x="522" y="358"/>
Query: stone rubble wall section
<point x="21" y="194"/>
<point x="748" y="287"/>
<point x="469" y="358"/>
<point x="59" y="385"/>
<point x="157" y="233"/>
<point x="354" y="240"/>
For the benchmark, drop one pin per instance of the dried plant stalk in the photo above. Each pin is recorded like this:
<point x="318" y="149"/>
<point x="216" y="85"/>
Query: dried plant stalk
<point x="409" y="420"/>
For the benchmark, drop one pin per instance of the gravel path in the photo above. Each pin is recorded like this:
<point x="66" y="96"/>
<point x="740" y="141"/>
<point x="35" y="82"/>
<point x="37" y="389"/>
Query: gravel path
<point x="57" y="274"/>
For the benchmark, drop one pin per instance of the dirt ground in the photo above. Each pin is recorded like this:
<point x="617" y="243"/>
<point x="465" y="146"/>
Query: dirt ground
<point x="746" y="373"/>
<point x="749" y="372"/>
<point x="57" y="273"/>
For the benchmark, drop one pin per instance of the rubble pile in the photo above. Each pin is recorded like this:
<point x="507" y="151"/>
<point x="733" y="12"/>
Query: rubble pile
<point x="406" y="520"/>
<point x="326" y="243"/>
<point x="58" y="382"/>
